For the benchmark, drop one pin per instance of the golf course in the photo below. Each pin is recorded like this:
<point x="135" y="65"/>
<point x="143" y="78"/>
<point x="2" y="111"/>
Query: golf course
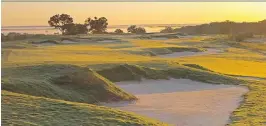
<point x="152" y="79"/>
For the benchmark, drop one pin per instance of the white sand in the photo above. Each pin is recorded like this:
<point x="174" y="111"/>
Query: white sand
<point x="182" y="102"/>
<point x="68" y="42"/>
<point x="187" y="53"/>
<point x="159" y="38"/>
<point x="46" y="44"/>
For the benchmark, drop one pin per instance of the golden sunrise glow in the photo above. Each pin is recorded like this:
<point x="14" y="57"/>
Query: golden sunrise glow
<point x="133" y="13"/>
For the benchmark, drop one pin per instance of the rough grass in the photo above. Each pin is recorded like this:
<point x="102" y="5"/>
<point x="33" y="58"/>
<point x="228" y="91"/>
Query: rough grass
<point x="168" y="50"/>
<point x="66" y="82"/>
<point x="135" y="72"/>
<point x="196" y="66"/>
<point x="46" y="42"/>
<point x="252" y="111"/>
<point x="24" y="110"/>
<point x="131" y="72"/>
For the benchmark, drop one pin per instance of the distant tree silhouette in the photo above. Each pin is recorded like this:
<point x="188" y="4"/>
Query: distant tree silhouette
<point x="74" y="29"/>
<point x="135" y="29"/>
<point x="61" y="22"/>
<point x="119" y="31"/>
<point x="3" y="37"/>
<point x="167" y="30"/>
<point x="131" y="29"/>
<point x="97" y="25"/>
<point x="140" y="30"/>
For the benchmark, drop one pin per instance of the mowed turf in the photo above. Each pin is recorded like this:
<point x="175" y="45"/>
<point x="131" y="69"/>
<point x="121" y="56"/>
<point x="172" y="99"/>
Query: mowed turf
<point x="235" y="61"/>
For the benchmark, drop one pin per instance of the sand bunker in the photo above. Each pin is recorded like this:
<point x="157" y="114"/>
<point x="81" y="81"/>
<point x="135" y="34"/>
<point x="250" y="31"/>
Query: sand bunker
<point x="46" y="43"/>
<point x="108" y="41"/>
<point x="187" y="53"/>
<point x="159" y="38"/>
<point x="68" y="42"/>
<point x="182" y="102"/>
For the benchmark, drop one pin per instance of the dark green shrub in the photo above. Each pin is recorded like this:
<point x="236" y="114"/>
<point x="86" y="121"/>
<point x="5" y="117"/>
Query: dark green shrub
<point x="167" y="30"/>
<point x="119" y="31"/>
<point x="136" y="30"/>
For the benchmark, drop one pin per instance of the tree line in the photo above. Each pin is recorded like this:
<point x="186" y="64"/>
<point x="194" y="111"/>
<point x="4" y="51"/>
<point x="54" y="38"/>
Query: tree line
<point x="66" y="25"/>
<point x="226" y="27"/>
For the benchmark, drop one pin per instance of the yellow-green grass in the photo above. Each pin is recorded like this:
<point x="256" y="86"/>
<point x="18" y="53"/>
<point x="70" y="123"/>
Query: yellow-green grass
<point x="25" y="110"/>
<point x="85" y="54"/>
<point x="228" y="65"/>
<point x="78" y="55"/>
<point x="252" y="111"/>
<point x="66" y="82"/>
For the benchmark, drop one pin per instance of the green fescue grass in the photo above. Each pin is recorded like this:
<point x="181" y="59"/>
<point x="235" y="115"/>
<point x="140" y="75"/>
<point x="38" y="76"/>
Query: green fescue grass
<point x="168" y="50"/>
<point x="196" y="66"/>
<point x="26" y="110"/>
<point x="128" y="72"/>
<point x="252" y="111"/>
<point x="66" y="82"/>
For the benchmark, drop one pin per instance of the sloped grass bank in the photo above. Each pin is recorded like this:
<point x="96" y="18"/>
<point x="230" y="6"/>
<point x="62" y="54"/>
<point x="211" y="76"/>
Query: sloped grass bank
<point x="22" y="110"/>
<point x="196" y="66"/>
<point x="128" y="72"/>
<point x="153" y="51"/>
<point x="252" y="112"/>
<point x="168" y="50"/>
<point x="65" y="82"/>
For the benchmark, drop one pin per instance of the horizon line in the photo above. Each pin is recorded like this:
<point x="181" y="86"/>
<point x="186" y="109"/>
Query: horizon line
<point x="145" y="24"/>
<point x="108" y="25"/>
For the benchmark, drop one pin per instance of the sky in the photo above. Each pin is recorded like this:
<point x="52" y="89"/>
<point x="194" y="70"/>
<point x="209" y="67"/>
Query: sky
<point x="128" y="13"/>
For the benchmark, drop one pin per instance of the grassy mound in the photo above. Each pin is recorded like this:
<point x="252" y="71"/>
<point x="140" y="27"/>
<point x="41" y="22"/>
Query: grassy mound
<point x="22" y="110"/>
<point x="96" y="39"/>
<point x="134" y="72"/>
<point x="68" y="39"/>
<point x="66" y="82"/>
<point x="160" y="35"/>
<point x="46" y="42"/>
<point x="167" y="35"/>
<point x="158" y="51"/>
<point x="168" y="50"/>
<point x="131" y="72"/>
<point x="196" y="66"/>
<point x="201" y="75"/>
